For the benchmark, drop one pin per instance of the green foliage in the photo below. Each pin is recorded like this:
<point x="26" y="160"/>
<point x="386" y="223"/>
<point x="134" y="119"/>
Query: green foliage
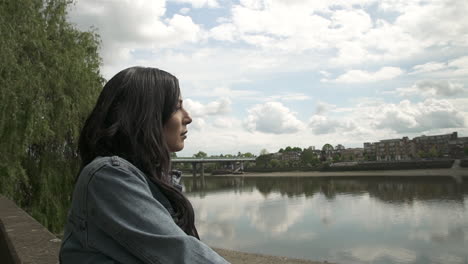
<point x="309" y="157"/>
<point x="327" y="148"/>
<point x="337" y="158"/>
<point x="200" y="155"/>
<point x="433" y="153"/>
<point x="263" y="161"/>
<point x="274" y="163"/>
<point x="49" y="81"/>
<point x="246" y="155"/>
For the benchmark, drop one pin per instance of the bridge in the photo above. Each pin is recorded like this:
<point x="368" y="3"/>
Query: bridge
<point x="232" y="161"/>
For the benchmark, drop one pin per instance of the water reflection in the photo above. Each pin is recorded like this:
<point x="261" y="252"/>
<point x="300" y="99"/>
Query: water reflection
<point x="343" y="220"/>
<point x="387" y="189"/>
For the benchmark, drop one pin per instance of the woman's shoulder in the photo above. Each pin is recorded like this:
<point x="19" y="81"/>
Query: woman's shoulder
<point x="110" y="163"/>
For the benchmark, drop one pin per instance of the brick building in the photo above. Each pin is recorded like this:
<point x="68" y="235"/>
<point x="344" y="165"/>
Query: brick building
<point x="437" y="143"/>
<point x="390" y="149"/>
<point x="445" y="145"/>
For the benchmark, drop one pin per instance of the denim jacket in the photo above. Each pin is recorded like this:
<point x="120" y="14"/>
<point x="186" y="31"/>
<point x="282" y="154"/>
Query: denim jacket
<point x="119" y="216"/>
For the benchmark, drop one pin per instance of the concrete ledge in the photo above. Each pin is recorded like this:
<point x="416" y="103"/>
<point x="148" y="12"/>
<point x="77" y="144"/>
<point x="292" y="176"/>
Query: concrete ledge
<point x="22" y="239"/>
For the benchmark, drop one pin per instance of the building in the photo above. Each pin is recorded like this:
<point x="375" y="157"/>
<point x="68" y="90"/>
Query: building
<point x="446" y="145"/>
<point x="389" y="149"/>
<point x="458" y="148"/>
<point x="437" y="145"/>
<point x="291" y="156"/>
<point x="352" y="154"/>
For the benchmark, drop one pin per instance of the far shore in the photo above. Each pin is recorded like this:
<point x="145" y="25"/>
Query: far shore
<point x="451" y="172"/>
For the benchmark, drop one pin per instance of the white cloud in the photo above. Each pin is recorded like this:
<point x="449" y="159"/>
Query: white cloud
<point x="225" y="32"/>
<point x="128" y="26"/>
<point x="199" y="3"/>
<point x="453" y="68"/>
<point x="184" y="10"/>
<point x="407" y="117"/>
<point x="428" y="67"/>
<point x="431" y="88"/>
<point x="436" y="23"/>
<point x="197" y="109"/>
<point x="224" y="122"/>
<point x="461" y="63"/>
<point x="288" y="97"/>
<point x="198" y="124"/>
<point x="321" y="124"/>
<point x="323" y="107"/>
<point x="359" y="76"/>
<point x="272" y="117"/>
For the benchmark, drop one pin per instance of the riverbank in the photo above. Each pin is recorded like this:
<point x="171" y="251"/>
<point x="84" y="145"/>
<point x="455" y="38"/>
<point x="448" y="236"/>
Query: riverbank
<point x="452" y="172"/>
<point x="236" y="257"/>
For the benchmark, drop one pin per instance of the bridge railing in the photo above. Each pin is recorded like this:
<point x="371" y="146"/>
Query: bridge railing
<point x="206" y="160"/>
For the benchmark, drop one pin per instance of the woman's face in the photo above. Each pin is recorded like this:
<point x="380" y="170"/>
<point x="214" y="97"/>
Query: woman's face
<point x="175" y="129"/>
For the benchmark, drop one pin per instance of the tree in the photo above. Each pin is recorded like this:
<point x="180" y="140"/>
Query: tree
<point x="49" y="82"/>
<point x="248" y="155"/>
<point x="200" y="155"/>
<point x="274" y="163"/>
<point x="262" y="161"/>
<point x="433" y="153"/>
<point x="173" y="155"/>
<point x="308" y="156"/>
<point x="263" y="152"/>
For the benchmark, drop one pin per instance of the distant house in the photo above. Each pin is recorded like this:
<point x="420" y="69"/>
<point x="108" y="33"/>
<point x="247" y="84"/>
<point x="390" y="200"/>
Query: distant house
<point x="291" y="156"/>
<point x="352" y="154"/>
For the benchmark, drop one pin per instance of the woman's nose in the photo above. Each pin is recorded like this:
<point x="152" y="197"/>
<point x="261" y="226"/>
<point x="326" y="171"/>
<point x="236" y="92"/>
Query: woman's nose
<point x="187" y="118"/>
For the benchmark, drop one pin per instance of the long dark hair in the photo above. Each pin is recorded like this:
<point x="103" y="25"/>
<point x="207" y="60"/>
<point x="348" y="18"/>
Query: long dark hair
<point x="128" y="121"/>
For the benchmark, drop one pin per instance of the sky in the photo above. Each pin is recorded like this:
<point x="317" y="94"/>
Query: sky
<point x="266" y="74"/>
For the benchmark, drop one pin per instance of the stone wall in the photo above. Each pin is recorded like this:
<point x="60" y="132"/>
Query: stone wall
<point x="22" y="239"/>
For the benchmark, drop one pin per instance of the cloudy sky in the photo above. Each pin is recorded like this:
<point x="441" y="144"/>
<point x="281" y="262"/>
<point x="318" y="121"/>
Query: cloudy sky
<point x="267" y="74"/>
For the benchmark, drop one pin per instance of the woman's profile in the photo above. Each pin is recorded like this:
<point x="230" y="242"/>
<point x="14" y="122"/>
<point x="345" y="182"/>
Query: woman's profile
<point x="127" y="206"/>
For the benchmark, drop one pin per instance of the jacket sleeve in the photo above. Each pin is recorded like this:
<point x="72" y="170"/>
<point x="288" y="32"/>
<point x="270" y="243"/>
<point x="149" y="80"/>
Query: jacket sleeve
<point x="121" y="204"/>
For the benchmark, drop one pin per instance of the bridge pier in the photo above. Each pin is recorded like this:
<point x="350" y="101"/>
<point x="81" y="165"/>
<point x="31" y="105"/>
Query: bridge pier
<point x="202" y="173"/>
<point x="194" y="169"/>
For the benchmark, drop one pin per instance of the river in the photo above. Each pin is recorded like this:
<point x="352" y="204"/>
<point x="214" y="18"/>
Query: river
<point x="383" y="220"/>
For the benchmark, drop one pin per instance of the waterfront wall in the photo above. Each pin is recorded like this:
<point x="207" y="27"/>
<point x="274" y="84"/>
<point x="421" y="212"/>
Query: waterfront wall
<point x="23" y="239"/>
<point x="368" y="166"/>
<point x="399" y="165"/>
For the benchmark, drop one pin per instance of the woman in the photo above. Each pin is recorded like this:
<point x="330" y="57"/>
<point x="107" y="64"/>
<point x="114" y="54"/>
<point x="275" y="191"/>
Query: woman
<point x="126" y="206"/>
